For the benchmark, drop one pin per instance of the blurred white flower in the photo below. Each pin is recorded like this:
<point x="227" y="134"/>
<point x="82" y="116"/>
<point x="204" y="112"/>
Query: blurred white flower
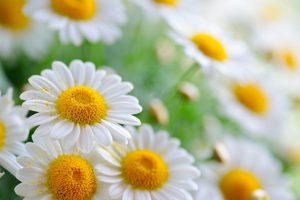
<point x="19" y="34"/>
<point x="255" y="102"/>
<point x="167" y="8"/>
<point x="211" y="48"/>
<point x="251" y="170"/>
<point x="94" y="20"/>
<point x="13" y="131"/>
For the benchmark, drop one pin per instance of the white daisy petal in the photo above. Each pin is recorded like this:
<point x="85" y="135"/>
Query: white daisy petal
<point x="127" y="119"/>
<point x="102" y="135"/>
<point x="40" y="118"/>
<point x="62" y="70"/>
<point x="71" y="139"/>
<point x="39" y="106"/>
<point x="42" y="84"/>
<point x="116" y="190"/>
<point x="61" y="129"/>
<point x="86" y="139"/>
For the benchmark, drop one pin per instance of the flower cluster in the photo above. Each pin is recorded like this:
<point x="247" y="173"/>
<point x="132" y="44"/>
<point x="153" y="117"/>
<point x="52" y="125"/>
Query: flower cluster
<point x="222" y="78"/>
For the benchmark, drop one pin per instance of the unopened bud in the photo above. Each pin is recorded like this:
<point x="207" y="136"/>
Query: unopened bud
<point x="189" y="91"/>
<point x="220" y="153"/>
<point x="159" y="111"/>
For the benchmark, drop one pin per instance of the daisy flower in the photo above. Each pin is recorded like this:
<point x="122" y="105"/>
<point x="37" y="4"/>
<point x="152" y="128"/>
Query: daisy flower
<point x="80" y="105"/>
<point x="51" y="172"/>
<point x="19" y="34"/>
<point x="287" y="145"/>
<point x="251" y="171"/>
<point x="167" y="8"/>
<point x="94" y="20"/>
<point x="13" y="131"/>
<point x="151" y="167"/>
<point x="256" y="103"/>
<point x="207" y="45"/>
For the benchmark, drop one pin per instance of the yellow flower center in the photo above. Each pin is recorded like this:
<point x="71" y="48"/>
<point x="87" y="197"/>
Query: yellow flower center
<point x="166" y="2"/>
<point x="71" y="177"/>
<point x="288" y="58"/>
<point x="210" y="46"/>
<point x="271" y="13"/>
<point x="239" y="185"/>
<point x="81" y="105"/>
<point x="252" y="97"/>
<point x="11" y="15"/>
<point x="75" y="9"/>
<point x="144" y="170"/>
<point x="2" y="135"/>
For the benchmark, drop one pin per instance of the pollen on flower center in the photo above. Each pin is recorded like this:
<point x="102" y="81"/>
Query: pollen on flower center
<point x="166" y="2"/>
<point x="252" y="97"/>
<point x="81" y="105"/>
<point x="71" y="177"/>
<point x="75" y="9"/>
<point x="239" y="185"/>
<point x="11" y="15"/>
<point x="210" y="46"/>
<point x="144" y="170"/>
<point x="2" y="135"/>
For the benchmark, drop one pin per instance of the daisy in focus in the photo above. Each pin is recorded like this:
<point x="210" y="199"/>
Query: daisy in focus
<point x="19" y="34"/>
<point x="81" y="105"/>
<point x="251" y="173"/>
<point x="51" y="172"/>
<point x="13" y="131"/>
<point x="94" y="20"/>
<point x="151" y="167"/>
<point x="207" y="45"/>
<point x="257" y="104"/>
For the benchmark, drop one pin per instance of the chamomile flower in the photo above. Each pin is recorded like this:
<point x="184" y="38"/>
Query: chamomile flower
<point x="13" y="131"/>
<point x="51" y="172"/>
<point x="206" y="45"/>
<point x="94" y="20"/>
<point x="167" y="8"/>
<point x="251" y="170"/>
<point x="80" y="105"/>
<point x="19" y="34"/>
<point x="257" y="104"/>
<point x="287" y="145"/>
<point x="151" y="167"/>
<point x="283" y="56"/>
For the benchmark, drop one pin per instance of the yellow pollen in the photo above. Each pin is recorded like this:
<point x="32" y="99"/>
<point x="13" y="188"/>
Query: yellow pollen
<point x="12" y="16"/>
<point x="239" y="185"/>
<point x="288" y="58"/>
<point x="166" y="2"/>
<point x="144" y="170"/>
<point x="71" y="177"/>
<point x="210" y="46"/>
<point x="75" y="9"/>
<point x="81" y="105"/>
<point x="2" y="135"/>
<point x="252" y="97"/>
